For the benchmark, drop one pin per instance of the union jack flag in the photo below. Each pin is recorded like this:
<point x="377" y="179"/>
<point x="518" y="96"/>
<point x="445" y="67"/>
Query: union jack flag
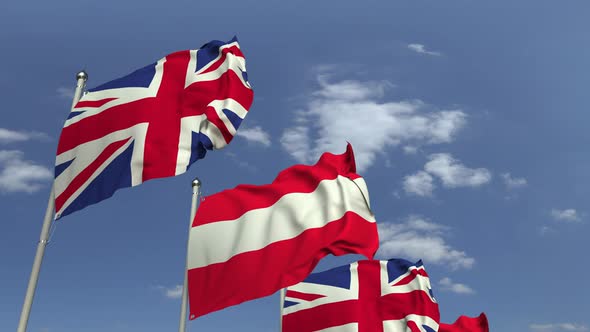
<point x="365" y="296"/>
<point x="152" y="123"/>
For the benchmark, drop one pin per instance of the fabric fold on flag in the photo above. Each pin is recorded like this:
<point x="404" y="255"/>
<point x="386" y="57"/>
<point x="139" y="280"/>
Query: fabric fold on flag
<point x="250" y="241"/>
<point x="152" y="123"/>
<point x="365" y="296"/>
<point x="370" y="296"/>
<point x="467" y="324"/>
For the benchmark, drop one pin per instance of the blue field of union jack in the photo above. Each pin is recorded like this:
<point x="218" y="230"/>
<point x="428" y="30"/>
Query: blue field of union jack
<point x="365" y="296"/>
<point x="152" y="123"/>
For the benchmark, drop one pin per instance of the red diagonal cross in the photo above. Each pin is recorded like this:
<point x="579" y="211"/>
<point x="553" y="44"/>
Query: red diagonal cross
<point x="371" y="308"/>
<point x="163" y="113"/>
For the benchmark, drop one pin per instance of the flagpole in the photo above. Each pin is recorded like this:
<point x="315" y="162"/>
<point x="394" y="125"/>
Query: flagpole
<point x="196" y="192"/>
<point x="282" y="303"/>
<point x="81" y="78"/>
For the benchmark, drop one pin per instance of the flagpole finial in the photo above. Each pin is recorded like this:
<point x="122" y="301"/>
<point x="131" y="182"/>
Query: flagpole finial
<point x="82" y="75"/>
<point x="196" y="182"/>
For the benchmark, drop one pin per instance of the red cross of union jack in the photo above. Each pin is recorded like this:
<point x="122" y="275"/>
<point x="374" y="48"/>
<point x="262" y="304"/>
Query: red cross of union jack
<point x="365" y="296"/>
<point x="152" y="123"/>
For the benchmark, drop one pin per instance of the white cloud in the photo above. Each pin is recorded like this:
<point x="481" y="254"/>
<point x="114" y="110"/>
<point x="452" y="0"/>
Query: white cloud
<point x="513" y="183"/>
<point x="20" y="175"/>
<point x="350" y="111"/>
<point x="419" y="184"/>
<point x="449" y="170"/>
<point x="351" y="90"/>
<point x="420" y="48"/>
<point x="174" y="292"/>
<point x="565" y="215"/>
<point x="453" y="174"/>
<point x="555" y="327"/>
<point x="448" y="285"/>
<point x="410" y="149"/>
<point x="255" y="134"/>
<point x="66" y="93"/>
<point x="418" y="238"/>
<point x="421" y="224"/>
<point x="295" y="141"/>
<point x="12" y="136"/>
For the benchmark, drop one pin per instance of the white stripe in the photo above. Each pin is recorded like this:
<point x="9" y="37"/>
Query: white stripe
<point x="221" y="48"/>
<point x="419" y="282"/>
<point x="401" y="325"/>
<point x="86" y="153"/>
<point x="191" y="69"/>
<point x="231" y="105"/>
<point x="232" y="62"/>
<point x="122" y="92"/>
<point x="351" y="327"/>
<point x="122" y="95"/>
<point x="197" y="124"/>
<point x="399" y="278"/>
<point x="99" y="170"/>
<point x="331" y="293"/>
<point x="290" y="216"/>
<point x="362" y="185"/>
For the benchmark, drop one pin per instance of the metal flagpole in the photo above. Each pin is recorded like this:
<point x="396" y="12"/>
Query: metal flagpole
<point x="196" y="192"/>
<point x="44" y="238"/>
<point x="282" y="302"/>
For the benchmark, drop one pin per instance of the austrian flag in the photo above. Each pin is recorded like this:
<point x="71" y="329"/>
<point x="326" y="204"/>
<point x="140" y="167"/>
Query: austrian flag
<point x="250" y="241"/>
<point x="152" y="123"/>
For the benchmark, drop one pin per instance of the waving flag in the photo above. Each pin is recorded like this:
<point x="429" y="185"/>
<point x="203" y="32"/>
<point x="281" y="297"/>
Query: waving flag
<point x="250" y="241"/>
<point x="365" y="296"/>
<point x="152" y="123"/>
<point x="467" y="324"/>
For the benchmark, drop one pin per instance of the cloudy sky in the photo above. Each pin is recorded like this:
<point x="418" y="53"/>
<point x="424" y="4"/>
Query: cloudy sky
<point x="469" y="122"/>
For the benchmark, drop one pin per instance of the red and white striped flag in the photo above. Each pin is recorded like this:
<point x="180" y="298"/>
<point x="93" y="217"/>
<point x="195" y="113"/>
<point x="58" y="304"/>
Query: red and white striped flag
<point x="250" y="241"/>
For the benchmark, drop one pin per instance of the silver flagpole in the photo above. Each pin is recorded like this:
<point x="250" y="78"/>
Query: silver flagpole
<point x="44" y="238"/>
<point x="282" y="303"/>
<point x="196" y="192"/>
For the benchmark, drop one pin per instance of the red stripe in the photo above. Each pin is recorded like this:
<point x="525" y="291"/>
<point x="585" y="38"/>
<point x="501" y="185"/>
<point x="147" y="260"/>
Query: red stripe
<point x="413" y="327"/>
<point x="93" y="103"/>
<point x="369" y="274"/>
<point x="464" y="323"/>
<point x="413" y="274"/>
<point x="235" y="50"/>
<point x="161" y="141"/>
<point x="199" y="94"/>
<point x="83" y="176"/>
<point x="370" y="310"/>
<point x="262" y="272"/>
<point x="304" y="296"/>
<point x="231" y="204"/>
<point x="179" y="103"/>
<point x="106" y="122"/>
<point x="213" y="117"/>
<point x="398" y="306"/>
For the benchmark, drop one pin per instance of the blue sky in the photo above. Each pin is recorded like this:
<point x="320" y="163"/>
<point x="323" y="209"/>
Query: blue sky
<point x="469" y="121"/>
